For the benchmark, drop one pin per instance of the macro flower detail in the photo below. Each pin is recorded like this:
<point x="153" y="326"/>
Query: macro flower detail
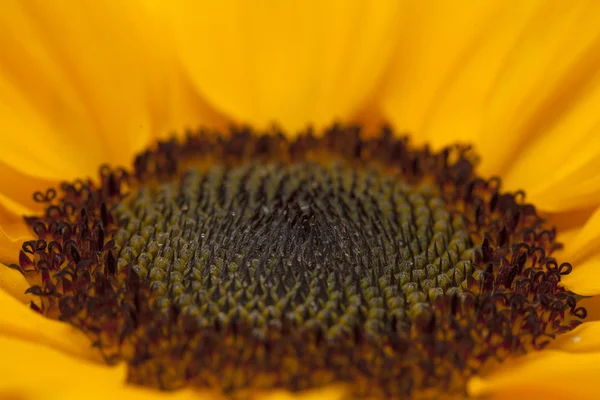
<point x="253" y="262"/>
<point x="440" y="241"/>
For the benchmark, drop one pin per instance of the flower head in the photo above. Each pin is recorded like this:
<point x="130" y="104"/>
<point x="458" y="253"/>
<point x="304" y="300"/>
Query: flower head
<point x="333" y="262"/>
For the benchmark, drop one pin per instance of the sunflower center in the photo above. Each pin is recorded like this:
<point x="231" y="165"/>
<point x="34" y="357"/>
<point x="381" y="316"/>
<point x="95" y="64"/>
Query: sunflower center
<point x="252" y="262"/>
<point x="329" y="246"/>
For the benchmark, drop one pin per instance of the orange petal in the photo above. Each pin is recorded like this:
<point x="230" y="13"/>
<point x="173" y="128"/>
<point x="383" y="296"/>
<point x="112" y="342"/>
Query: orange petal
<point x="517" y="79"/>
<point x="333" y="392"/>
<point x="448" y="64"/>
<point x="543" y="95"/>
<point x="581" y="239"/>
<point x="583" y="339"/>
<point x="592" y="305"/>
<point x="85" y="84"/>
<point x="31" y="371"/>
<point x="16" y="193"/>
<point x="586" y="240"/>
<point x="585" y="277"/>
<point x="73" y="85"/>
<point x="9" y="245"/>
<point x="19" y="321"/>
<point x="562" y="164"/>
<point x="544" y="375"/>
<point x="13" y="231"/>
<point x="570" y="220"/>
<point x="15" y="284"/>
<point x="174" y="102"/>
<point x="292" y="63"/>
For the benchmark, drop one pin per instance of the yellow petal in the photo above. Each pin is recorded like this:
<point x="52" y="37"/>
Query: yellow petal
<point x="292" y="63"/>
<point x="13" y="231"/>
<point x="180" y="108"/>
<point x="517" y="79"/>
<point x="447" y="66"/>
<point x="544" y="375"/>
<point x="579" y="232"/>
<point x="15" y="284"/>
<point x="33" y="372"/>
<point x="73" y="84"/>
<point x="583" y="339"/>
<point x="569" y="220"/>
<point x="585" y="277"/>
<point x="592" y="305"/>
<point x="174" y="102"/>
<point x="546" y="77"/>
<point x="585" y="242"/>
<point x="559" y="168"/>
<point x="333" y="392"/>
<point x="19" y="321"/>
<point x="18" y="187"/>
<point x="10" y="245"/>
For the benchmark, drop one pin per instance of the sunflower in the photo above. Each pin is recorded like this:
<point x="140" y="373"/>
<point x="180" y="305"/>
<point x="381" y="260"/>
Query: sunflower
<point x="92" y="295"/>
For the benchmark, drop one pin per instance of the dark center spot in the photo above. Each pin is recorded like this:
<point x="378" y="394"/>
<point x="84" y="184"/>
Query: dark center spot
<point x="255" y="262"/>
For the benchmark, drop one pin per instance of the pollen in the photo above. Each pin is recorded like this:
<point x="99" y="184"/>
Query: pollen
<point x="249" y="261"/>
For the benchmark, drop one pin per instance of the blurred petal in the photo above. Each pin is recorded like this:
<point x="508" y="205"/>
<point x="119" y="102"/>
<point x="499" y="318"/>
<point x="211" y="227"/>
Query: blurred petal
<point x="579" y="232"/>
<point x="13" y="231"/>
<point x="175" y="104"/>
<point x="585" y="241"/>
<point x="571" y="220"/>
<point x="581" y="250"/>
<point x="19" y="321"/>
<point x="585" y="277"/>
<point x="292" y="63"/>
<point x="520" y="80"/>
<point x="544" y="375"/>
<point x="545" y="78"/>
<point x="109" y="83"/>
<point x="16" y="193"/>
<point x="87" y="104"/>
<point x="333" y="392"/>
<point x="33" y="372"/>
<point x="180" y="108"/>
<point x="559" y="168"/>
<point x="447" y="66"/>
<point x="10" y="245"/>
<point x="583" y="339"/>
<point x="592" y="305"/>
<point x="15" y="284"/>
